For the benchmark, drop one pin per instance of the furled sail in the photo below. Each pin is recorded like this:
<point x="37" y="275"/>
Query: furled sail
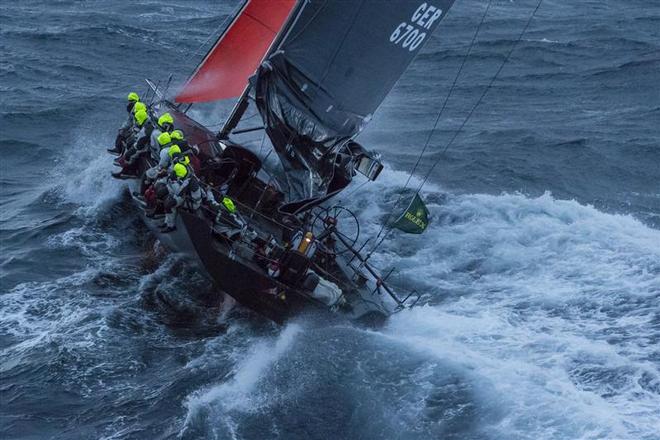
<point x="334" y="67"/>
<point x="236" y="55"/>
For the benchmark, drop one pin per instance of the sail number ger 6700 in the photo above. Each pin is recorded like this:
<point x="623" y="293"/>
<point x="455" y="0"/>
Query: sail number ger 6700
<point x="411" y="35"/>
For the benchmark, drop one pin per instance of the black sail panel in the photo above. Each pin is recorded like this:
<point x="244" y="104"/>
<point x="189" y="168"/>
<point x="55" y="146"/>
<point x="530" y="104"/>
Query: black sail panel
<point x="355" y="51"/>
<point x="335" y="66"/>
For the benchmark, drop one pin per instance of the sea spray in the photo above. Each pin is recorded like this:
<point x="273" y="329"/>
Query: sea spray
<point x="237" y="392"/>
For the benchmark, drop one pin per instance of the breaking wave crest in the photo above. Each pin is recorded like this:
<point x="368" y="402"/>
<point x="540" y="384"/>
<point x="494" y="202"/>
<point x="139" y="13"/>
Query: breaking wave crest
<point x="550" y="303"/>
<point x="239" y="393"/>
<point x="90" y="186"/>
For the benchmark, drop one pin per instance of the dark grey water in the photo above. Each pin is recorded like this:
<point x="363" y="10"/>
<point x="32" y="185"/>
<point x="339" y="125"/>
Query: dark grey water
<point x="541" y="268"/>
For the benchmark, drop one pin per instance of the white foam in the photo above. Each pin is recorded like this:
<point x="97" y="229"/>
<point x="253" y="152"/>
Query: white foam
<point x="237" y="391"/>
<point x="528" y="293"/>
<point x="92" y="243"/>
<point x="84" y="173"/>
<point x="527" y="367"/>
<point x="35" y="313"/>
<point x="524" y="294"/>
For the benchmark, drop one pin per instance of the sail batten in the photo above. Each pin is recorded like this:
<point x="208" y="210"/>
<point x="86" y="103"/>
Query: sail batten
<point x="236" y="55"/>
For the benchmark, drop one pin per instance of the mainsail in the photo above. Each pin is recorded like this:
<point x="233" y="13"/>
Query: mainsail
<point x="322" y="83"/>
<point x="236" y="55"/>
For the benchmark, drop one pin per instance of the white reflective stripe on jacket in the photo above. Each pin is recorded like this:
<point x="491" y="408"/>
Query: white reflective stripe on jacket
<point x="164" y="160"/>
<point x="133" y="134"/>
<point x="155" y="146"/>
<point x="196" y="198"/>
<point x="141" y="135"/>
<point x="177" y="189"/>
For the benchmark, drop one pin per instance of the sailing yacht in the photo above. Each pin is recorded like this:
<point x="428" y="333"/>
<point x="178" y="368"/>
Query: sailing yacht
<point x="315" y="71"/>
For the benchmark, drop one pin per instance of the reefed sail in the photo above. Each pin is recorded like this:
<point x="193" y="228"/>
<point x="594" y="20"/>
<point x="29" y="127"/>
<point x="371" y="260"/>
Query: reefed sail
<point x="322" y="84"/>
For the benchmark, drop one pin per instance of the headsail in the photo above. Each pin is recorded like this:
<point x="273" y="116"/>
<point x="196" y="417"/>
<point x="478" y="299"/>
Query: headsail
<point x="327" y="77"/>
<point x="236" y="55"/>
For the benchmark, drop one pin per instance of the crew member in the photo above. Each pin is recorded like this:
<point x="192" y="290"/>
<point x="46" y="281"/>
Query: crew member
<point x="183" y="191"/>
<point x="174" y="154"/>
<point x="227" y="221"/>
<point x="186" y="150"/>
<point x="127" y="161"/>
<point x="142" y="138"/>
<point x="127" y="138"/>
<point x="164" y="142"/>
<point x="134" y="129"/>
<point x="139" y="106"/>
<point x="132" y="99"/>
<point x="165" y="125"/>
<point x="179" y="139"/>
<point x="177" y="135"/>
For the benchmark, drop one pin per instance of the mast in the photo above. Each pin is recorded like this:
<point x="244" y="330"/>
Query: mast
<point x="236" y="114"/>
<point x="241" y="106"/>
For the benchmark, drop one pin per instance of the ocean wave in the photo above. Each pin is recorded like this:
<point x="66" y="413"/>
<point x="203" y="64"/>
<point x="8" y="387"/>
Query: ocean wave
<point x="548" y="301"/>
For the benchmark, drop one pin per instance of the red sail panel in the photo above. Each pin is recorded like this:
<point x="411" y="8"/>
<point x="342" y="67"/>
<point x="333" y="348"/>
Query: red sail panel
<point x="224" y="72"/>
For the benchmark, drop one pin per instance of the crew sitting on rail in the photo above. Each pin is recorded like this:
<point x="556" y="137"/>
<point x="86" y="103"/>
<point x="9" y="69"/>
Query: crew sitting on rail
<point x="155" y="191"/>
<point x="179" y="139"/>
<point x="164" y="142"/>
<point x="123" y="133"/>
<point x="191" y="152"/>
<point x="183" y="191"/>
<point x="165" y="124"/>
<point x="128" y="159"/>
<point x="131" y="132"/>
<point x="183" y="151"/>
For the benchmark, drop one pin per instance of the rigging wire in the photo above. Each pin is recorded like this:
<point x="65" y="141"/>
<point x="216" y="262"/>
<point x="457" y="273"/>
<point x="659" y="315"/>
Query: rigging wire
<point x="242" y="119"/>
<point x="467" y="118"/>
<point x="437" y="121"/>
<point x="451" y="91"/>
<point x="357" y="188"/>
<point x="490" y="84"/>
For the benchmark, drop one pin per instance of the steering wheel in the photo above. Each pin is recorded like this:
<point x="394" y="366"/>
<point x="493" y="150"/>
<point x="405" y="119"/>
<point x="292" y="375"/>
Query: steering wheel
<point x="345" y="224"/>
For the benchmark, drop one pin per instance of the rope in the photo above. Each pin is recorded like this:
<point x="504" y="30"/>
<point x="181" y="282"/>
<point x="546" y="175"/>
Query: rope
<point x="467" y="118"/>
<point x="215" y="191"/>
<point x="241" y="243"/>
